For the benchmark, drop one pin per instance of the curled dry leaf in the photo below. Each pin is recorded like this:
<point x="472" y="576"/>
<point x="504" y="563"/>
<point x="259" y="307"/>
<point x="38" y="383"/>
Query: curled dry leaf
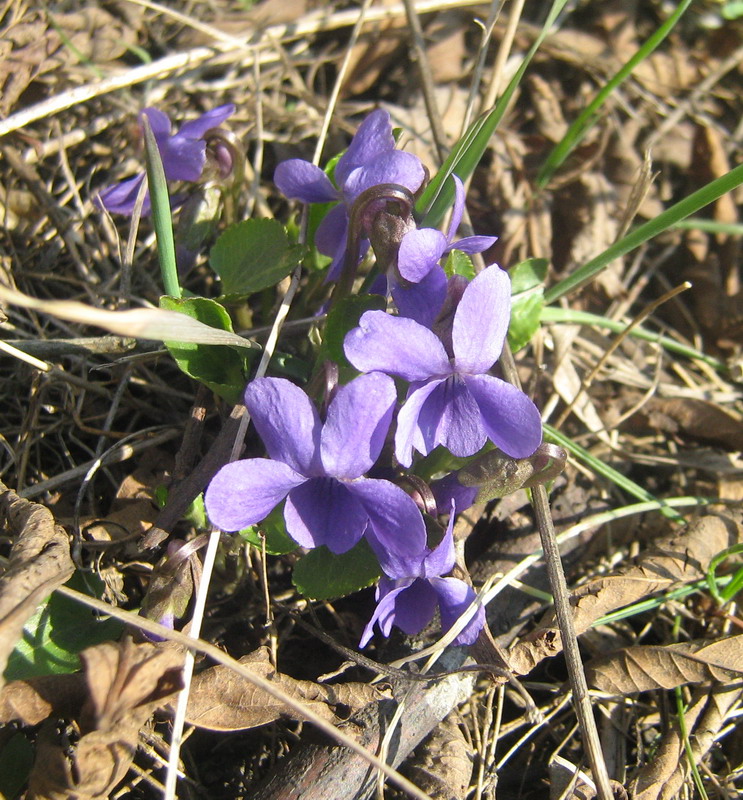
<point x="442" y="765"/>
<point x="223" y="701"/>
<point x="39" y="562"/>
<point x="644" y="667"/>
<point x="663" y="777"/>
<point x="676" y="560"/>
<point x="126" y="682"/>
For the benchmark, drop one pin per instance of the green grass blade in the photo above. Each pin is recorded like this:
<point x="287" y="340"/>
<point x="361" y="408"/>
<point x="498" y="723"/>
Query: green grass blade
<point x="670" y="217"/>
<point x="574" y="317"/>
<point x="160" y="202"/>
<point x="467" y="152"/>
<point x="710" y="226"/>
<point x="589" y="115"/>
<point x="598" y="466"/>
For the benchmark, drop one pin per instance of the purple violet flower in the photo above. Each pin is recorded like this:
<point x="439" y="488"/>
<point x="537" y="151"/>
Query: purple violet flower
<point x="422" y="249"/>
<point x="409" y="600"/>
<point x="371" y="159"/>
<point x="452" y="401"/>
<point x="183" y="155"/>
<point x="318" y="468"/>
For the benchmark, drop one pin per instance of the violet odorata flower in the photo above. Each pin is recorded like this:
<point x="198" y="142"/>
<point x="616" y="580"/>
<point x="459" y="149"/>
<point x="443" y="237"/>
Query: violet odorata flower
<point x="319" y="468"/>
<point x="371" y="159"/>
<point x="183" y="155"/>
<point x="408" y="599"/>
<point x="451" y="401"/>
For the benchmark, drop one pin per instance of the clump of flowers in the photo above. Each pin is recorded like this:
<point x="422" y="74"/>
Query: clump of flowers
<point x="340" y="465"/>
<point x="443" y="336"/>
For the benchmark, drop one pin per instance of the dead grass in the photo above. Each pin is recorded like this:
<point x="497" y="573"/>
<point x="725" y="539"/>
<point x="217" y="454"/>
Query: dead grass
<point x="95" y="426"/>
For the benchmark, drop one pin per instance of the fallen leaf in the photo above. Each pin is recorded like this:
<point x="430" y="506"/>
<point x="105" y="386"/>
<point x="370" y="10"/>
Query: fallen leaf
<point x="644" y="667"/>
<point x="677" y="560"/>
<point x="697" y="419"/>
<point x="223" y="701"/>
<point x="663" y="777"/>
<point x="126" y="682"/>
<point x="31" y="701"/>
<point x="442" y="765"/>
<point x="39" y="562"/>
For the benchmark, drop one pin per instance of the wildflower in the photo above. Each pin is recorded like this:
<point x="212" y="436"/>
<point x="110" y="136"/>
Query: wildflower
<point x="319" y="468"/>
<point x="409" y="599"/>
<point x="371" y="159"/>
<point x="183" y="155"/>
<point x="451" y="401"/>
<point x="422" y="249"/>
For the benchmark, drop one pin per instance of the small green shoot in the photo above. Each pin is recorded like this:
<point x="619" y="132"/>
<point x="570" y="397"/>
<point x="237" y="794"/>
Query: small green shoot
<point x="589" y="115"/>
<point x="161" y="217"/>
<point x="467" y="152"/>
<point x="735" y="581"/>
<point x="649" y="230"/>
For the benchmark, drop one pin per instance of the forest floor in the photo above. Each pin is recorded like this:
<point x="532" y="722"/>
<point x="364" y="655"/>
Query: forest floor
<point x="98" y="429"/>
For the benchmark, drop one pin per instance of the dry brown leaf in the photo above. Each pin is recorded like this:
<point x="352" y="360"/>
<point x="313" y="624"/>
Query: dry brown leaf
<point x="126" y="683"/>
<point x="663" y="777"/>
<point x="442" y="765"/>
<point x="698" y="419"/>
<point x="32" y="701"/>
<point x="645" y="667"/>
<point x="39" y="43"/>
<point x="223" y="701"/>
<point x="39" y="562"/>
<point x="676" y="560"/>
<point x="125" y="678"/>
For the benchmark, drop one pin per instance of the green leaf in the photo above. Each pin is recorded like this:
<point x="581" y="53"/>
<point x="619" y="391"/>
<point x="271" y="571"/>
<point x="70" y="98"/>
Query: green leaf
<point x="526" y="314"/>
<point x="273" y="531"/>
<point x="528" y="275"/>
<point x="59" y="630"/>
<point x="16" y="760"/>
<point x="343" y="317"/>
<point x="253" y="255"/>
<point x="322" y="575"/>
<point x="222" y="369"/>
<point x="459" y="263"/>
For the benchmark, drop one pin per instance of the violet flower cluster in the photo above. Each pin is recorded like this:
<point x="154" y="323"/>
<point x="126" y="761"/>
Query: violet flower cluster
<point x="443" y="343"/>
<point x="183" y="155"/>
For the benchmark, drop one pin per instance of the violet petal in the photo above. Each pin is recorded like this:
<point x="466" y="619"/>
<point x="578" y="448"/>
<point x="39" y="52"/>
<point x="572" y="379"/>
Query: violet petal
<point x="397" y="532"/>
<point x="395" y="345"/>
<point x="356" y="425"/>
<point x="473" y="244"/>
<point x="287" y="422"/>
<point x="196" y="128"/>
<point x="415" y="607"/>
<point x="441" y="559"/>
<point x="422" y="301"/>
<point x="323" y="511"/>
<point x="455" y="597"/>
<point x="458" y="210"/>
<point x="420" y="251"/>
<point x="330" y="236"/>
<point x="244" y="492"/>
<point x="121" y="197"/>
<point x="450" y="417"/>
<point x="159" y="123"/>
<point x="397" y="167"/>
<point x="298" y="179"/>
<point x="481" y="321"/>
<point x="384" y="613"/>
<point x="372" y="139"/>
<point x="408" y="434"/>
<point x="509" y="417"/>
<point x="183" y="159"/>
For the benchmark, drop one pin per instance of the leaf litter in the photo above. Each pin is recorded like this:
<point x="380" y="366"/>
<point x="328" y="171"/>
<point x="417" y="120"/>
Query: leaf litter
<point x="91" y="729"/>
